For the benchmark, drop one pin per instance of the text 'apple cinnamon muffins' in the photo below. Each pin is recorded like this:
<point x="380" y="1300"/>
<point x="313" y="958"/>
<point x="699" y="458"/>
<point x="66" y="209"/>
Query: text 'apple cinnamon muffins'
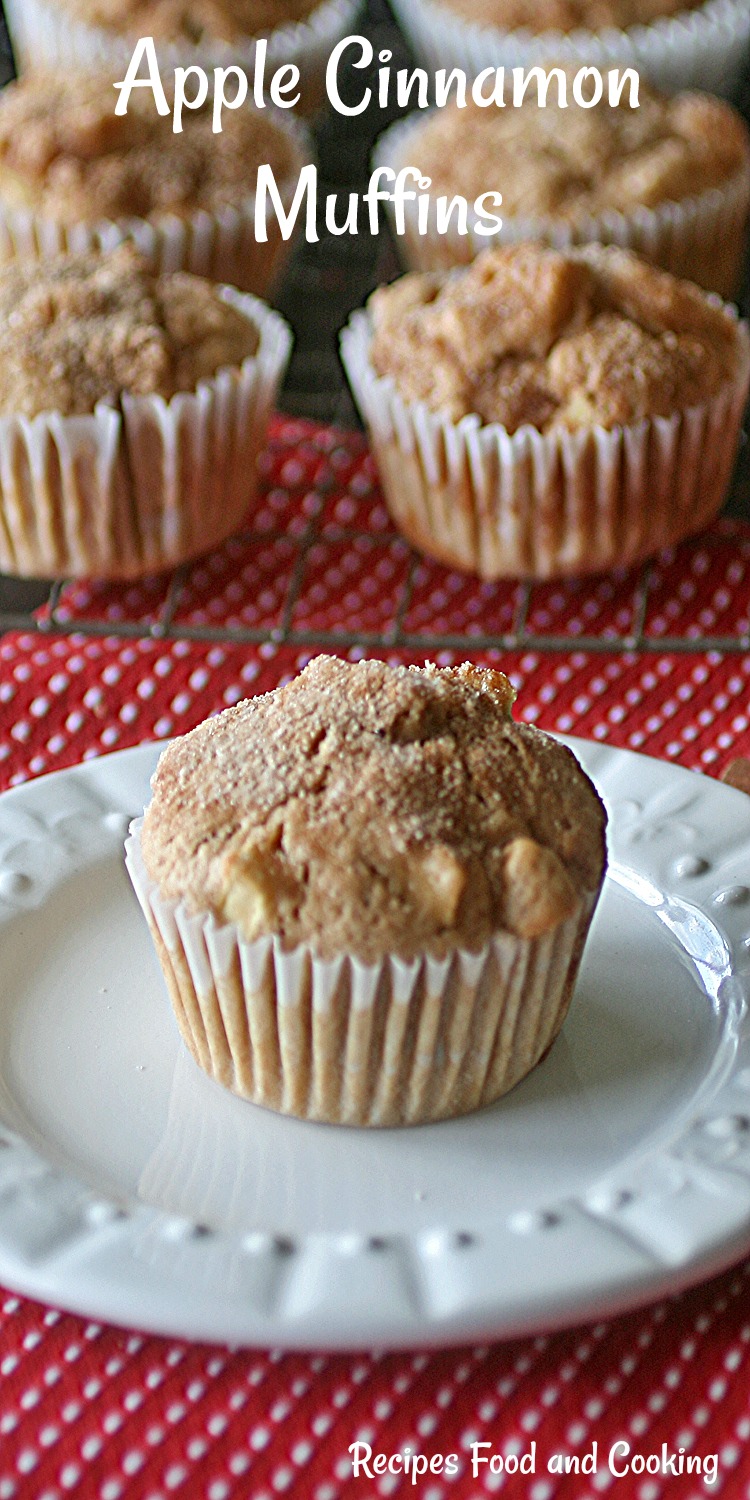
<point x="668" y="178"/>
<point x="369" y="891"/>
<point x="187" y="33"/>
<point x="544" y="413"/>
<point x="132" y="411"/>
<point x="75" y="176"/>
<point x="675" y="44"/>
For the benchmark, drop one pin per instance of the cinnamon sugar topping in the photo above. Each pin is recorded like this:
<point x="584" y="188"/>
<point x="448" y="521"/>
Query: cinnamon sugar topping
<point x="568" y="15"/>
<point x="372" y="810"/>
<point x="84" y="329"/>
<point x="572" y="162"/>
<point x="527" y="335"/>
<point x="192" y="21"/>
<point x="66" y="155"/>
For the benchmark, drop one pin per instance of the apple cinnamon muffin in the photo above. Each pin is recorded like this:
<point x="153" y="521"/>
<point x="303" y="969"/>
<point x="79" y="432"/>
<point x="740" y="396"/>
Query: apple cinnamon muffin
<point x="669" y="178"/>
<point x="393" y="881"/>
<point x="73" y="173"/>
<point x="205" y="33"/>
<point x="132" y="407"/>
<point x="560" y="15"/>
<point x="528" y="337"/>
<point x="192" y="21"/>
<point x="674" y="44"/>
<point x="91" y="330"/>
<point x="544" y="412"/>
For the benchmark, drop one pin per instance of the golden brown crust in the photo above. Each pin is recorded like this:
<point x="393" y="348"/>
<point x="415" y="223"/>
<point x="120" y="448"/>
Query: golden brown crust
<point x="84" y="329"/>
<point x="572" y="163"/>
<point x="194" y="22"/>
<point x="372" y="810"/>
<point x="66" y="155"/>
<point x="527" y="335"/>
<point x="567" y="15"/>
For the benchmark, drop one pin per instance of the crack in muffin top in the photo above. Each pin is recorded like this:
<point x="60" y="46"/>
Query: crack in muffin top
<point x="367" y="810"/>
<point x="84" y="329"/>
<point x="553" y="339"/>
<point x="66" y="155"/>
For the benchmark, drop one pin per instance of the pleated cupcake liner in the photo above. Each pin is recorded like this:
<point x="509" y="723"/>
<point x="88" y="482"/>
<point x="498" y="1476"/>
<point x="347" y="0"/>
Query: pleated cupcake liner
<point x="219" y="244"/>
<point x="44" y="35"/>
<point x="701" y="239"/>
<point x="144" y="486"/>
<point x="704" y="48"/>
<point x="545" y="505"/>
<point x="348" y="1043"/>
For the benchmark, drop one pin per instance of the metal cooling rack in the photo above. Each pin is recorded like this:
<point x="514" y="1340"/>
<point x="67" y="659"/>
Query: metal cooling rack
<point x="324" y="283"/>
<point x="520" y="637"/>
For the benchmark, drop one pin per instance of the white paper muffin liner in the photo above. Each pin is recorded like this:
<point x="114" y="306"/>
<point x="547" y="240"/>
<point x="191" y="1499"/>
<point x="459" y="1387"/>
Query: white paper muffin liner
<point x="218" y="244"/>
<point x="701" y="239"/>
<point x="704" y="48"/>
<point x="134" y="489"/>
<point x="44" y="35"/>
<point x="349" y="1043"/>
<point x="544" y="505"/>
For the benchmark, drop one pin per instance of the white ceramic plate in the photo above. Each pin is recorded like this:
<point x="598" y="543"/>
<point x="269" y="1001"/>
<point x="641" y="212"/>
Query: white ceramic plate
<point x="135" y="1190"/>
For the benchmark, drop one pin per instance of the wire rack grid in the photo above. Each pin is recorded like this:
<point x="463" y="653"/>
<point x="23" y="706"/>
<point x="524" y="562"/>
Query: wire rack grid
<point x="325" y="281"/>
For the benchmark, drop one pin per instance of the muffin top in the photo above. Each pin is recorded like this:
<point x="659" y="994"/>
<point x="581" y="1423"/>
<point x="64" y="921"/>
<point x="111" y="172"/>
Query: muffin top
<point x="367" y="809"/>
<point x="190" y="21"/>
<point x="573" y="162"/>
<point x="84" y="329"/>
<point x="530" y="336"/>
<point x="66" y="155"/>
<point x="566" y="15"/>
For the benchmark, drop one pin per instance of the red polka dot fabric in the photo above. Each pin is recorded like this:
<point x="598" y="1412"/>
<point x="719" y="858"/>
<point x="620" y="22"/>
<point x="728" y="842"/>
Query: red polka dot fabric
<point x="99" y="1412"/>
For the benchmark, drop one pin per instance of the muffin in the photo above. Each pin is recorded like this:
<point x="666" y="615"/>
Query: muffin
<point x="549" y="15"/>
<point x="132" y="409"/>
<point x="230" y="22"/>
<point x="677" y="44"/>
<point x="209" y="33"/>
<point x="669" y="179"/>
<point x="544" y="412"/>
<point x="370" y="890"/>
<point x="74" y="175"/>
